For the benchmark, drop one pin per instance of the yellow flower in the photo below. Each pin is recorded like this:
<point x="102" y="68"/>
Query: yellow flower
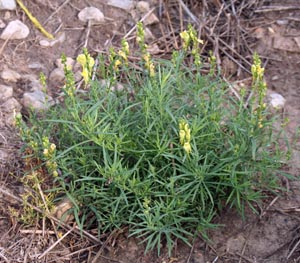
<point x="52" y="147"/>
<point x="200" y="41"/>
<point x="187" y="147"/>
<point x="185" y="36"/>
<point x="81" y="59"/>
<point x="91" y="62"/>
<point x="151" y="69"/>
<point x="85" y="75"/>
<point x="122" y="54"/>
<point x="182" y="137"/>
<point x="55" y="173"/>
<point x="188" y="134"/>
<point x="117" y="64"/>
<point x="87" y="63"/>
<point x="46" y="152"/>
<point x="146" y="57"/>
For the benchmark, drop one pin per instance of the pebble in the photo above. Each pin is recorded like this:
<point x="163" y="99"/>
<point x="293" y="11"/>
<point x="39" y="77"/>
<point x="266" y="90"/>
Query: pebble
<point x="34" y="82"/>
<point x="37" y="100"/>
<point x="15" y="30"/>
<point x="50" y="43"/>
<point x="92" y="14"/>
<point x="276" y="101"/>
<point x="4" y="156"/>
<point x="123" y="4"/>
<point x="6" y="92"/>
<point x="143" y="6"/>
<point x="36" y="65"/>
<point x="11" y="105"/>
<point x="7" y="5"/>
<point x="10" y="75"/>
<point x="282" y="22"/>
<point x="57" y="76"/>
<point x="61" y="211"/>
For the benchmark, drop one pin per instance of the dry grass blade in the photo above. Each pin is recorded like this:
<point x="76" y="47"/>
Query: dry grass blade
<point x="4" y="258"/>
<point x="293" y="249"/>
<point x="60" y="223"/>
<point x="55" y="244"/>
<point x="276" y="8"/>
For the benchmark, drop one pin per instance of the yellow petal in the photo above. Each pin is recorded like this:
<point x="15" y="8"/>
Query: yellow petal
<point x="181" y="136"/>
<point x="81" y="59"/>
<point x="85" y="75"/>
<point x="187" y="147"/>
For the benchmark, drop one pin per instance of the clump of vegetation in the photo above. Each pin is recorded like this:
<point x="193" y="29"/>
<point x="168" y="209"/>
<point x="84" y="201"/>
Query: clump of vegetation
<point x="158" y="147"/>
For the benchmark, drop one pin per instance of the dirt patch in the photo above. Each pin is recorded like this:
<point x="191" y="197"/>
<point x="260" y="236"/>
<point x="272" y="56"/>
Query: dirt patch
<point x="269" y="27"/>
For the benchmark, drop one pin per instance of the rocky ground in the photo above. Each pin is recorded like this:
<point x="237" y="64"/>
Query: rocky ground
<point x="272" y="29"/>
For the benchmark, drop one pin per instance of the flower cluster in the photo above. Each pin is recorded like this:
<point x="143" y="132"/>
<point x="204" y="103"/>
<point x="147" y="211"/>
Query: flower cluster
<point x="69" y="86"/>
<point x="185" y="136"/>
<point x="140" y="37"/>
<point x="87" y="63"/>
<point x="259" y="86"/>
<point x="149" y="64"/>
<point x="124" y="52"/>
<point x="49" y="155"/>
<point x="213" y="63"/>
<point x="189" y="38"/>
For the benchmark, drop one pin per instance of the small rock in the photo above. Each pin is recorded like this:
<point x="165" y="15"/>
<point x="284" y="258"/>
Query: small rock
<point x="62" y="210"/>
<point x="4" y="156"/>
<point x="36" y="65"/>
<point x="235" y="244"/>
<point x="2" y="24"/>
<point x="5" y="92"/>
<point x="50" y="43"/>
<point x="11" y="105"/>
<point x="118" y="87"/>
<point x="15" y="30"/>
<point x="37" y="100"/>
<point x="276" y="101"/>
<point x="92" y="14"/>
<point x="282" y="22"/>
<point x="143" y="6"/>
<point x="7" y="5"/>
<point x="34" y="83"/>
<point x="57" y="76"/>
<point x="44" y="43"/>
<point x="10" y="75"/>
<point x="151" y="19"/>
<point x="69" y="61"/>
<point x="123" y="4"/>
<point x="259" y="33"/>
<point x="197" y="257"/>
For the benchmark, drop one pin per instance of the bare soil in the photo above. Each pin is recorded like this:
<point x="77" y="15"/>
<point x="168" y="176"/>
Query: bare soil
<point x="272" y="28"/>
